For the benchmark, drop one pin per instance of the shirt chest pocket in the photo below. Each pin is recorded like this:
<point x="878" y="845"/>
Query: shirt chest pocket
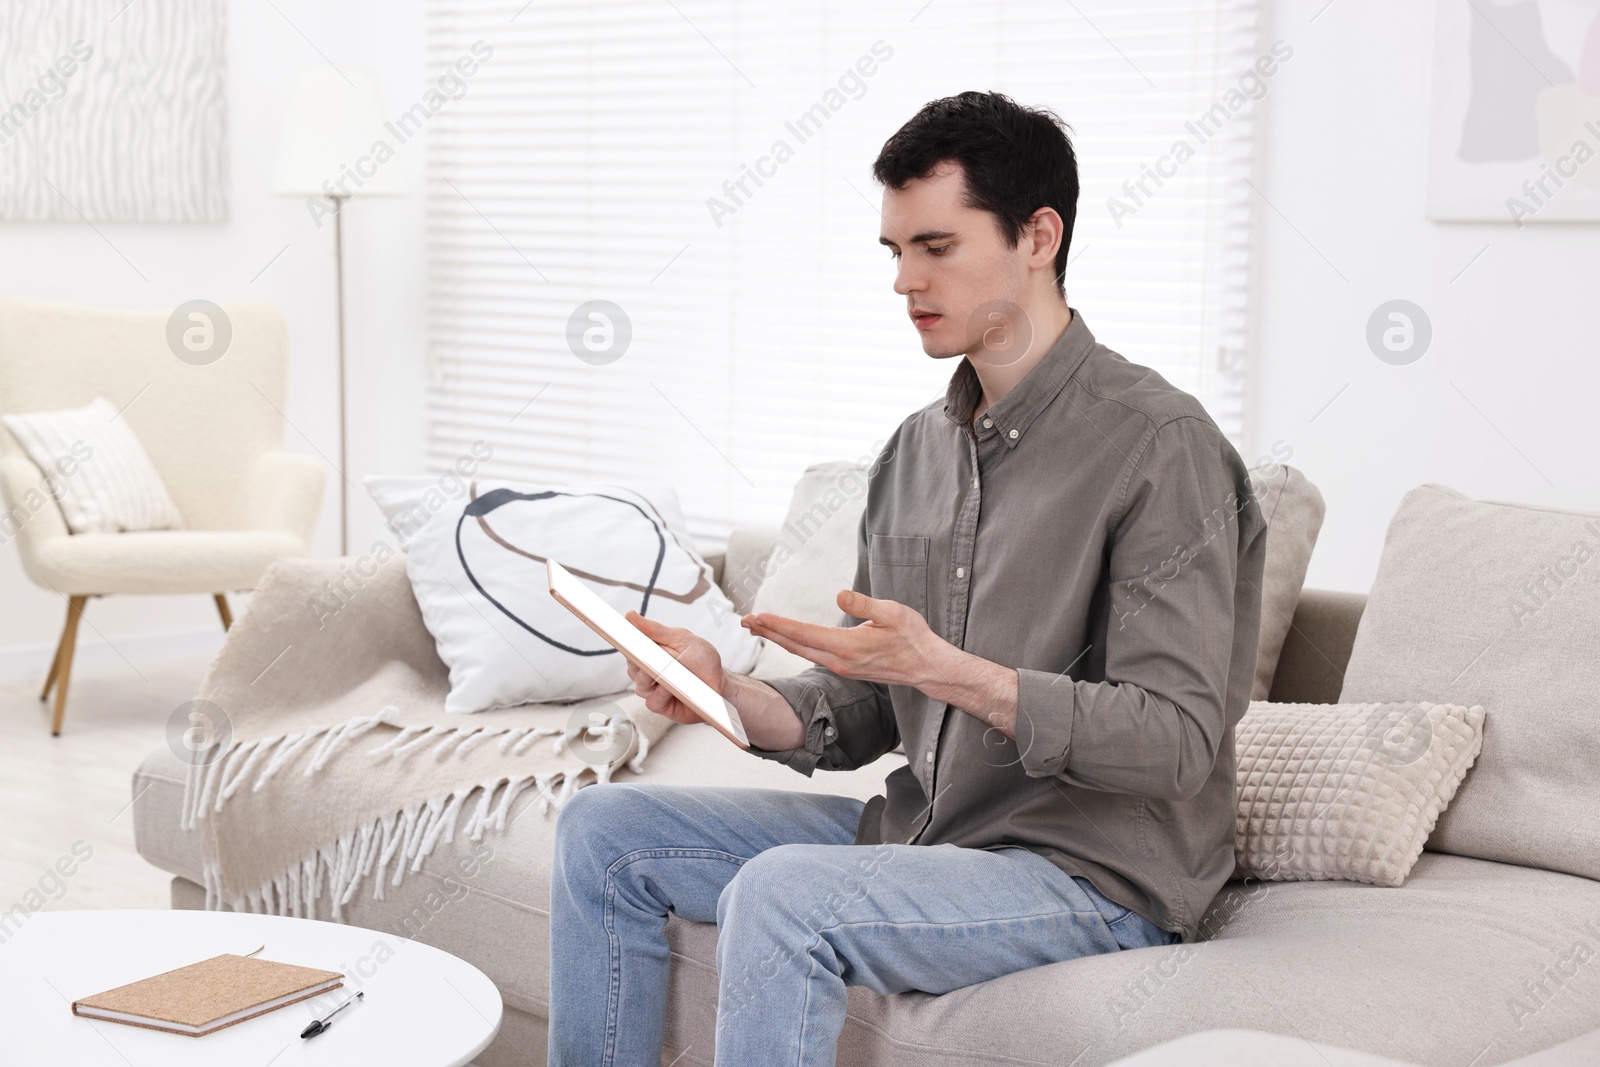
<point x="897" y="565"/>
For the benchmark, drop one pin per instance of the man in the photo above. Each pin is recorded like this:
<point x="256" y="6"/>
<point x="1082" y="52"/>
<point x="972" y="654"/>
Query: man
<point x="1057" y="604"/>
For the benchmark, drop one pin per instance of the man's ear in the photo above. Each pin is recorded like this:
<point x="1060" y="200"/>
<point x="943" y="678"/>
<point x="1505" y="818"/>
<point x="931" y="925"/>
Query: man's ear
<point x="1044" y="232"/>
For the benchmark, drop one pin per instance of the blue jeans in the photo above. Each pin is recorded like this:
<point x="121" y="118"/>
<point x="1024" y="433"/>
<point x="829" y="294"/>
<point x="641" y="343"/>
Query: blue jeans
<point x="801" y="912"/>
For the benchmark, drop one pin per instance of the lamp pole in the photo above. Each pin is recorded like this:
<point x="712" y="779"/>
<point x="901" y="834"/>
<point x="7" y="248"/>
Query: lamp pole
<point x="338" y="274"/>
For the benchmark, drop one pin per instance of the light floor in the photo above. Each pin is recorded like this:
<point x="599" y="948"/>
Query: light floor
<point x="57" y="791"/>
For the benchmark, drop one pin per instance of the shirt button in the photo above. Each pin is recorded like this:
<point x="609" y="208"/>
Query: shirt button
<point x="987" y="423"/>
<point x="961" y="572"/>
<point x="828" y="732"/>
<point x="1012" y="435"/>
<point x="928" y="758"/>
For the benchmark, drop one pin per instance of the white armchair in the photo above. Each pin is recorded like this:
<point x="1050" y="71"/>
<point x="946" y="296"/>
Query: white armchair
<point x="213" y="431"/>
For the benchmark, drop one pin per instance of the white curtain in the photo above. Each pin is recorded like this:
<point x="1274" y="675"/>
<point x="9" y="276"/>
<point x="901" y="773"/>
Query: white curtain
<point x="705" y="167"/>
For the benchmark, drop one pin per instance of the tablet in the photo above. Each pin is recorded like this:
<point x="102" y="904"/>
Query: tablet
<point x="644" y="653"/>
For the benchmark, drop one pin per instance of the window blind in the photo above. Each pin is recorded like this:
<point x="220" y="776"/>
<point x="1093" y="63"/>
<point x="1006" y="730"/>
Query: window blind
<point x="705" y="167"/>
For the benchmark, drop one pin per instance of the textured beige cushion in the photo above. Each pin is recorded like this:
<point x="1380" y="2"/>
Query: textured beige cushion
<point x="1480" y="602"/>
<point x="1293" y="509"/>
<point x="1346" y="791"/>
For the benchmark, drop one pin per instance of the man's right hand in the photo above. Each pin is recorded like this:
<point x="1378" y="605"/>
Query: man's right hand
<point x="688" y="648"/>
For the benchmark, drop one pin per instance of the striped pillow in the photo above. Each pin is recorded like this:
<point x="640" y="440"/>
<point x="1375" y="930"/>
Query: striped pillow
<point x="95" y="469"/>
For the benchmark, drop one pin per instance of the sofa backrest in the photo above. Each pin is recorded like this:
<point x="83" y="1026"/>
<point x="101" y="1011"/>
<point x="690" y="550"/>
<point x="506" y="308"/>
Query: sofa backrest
<point x="795" y="569"/>
<point x="1315" y="653"/>
<point x="1498" y="604"/>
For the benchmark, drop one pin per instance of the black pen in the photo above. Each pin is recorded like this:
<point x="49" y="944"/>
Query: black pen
<point x="323" y="1023"/>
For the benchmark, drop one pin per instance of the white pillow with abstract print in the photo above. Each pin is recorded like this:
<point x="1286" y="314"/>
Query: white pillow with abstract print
<point x="96" y="469"/>
<point x="476" y="552"/>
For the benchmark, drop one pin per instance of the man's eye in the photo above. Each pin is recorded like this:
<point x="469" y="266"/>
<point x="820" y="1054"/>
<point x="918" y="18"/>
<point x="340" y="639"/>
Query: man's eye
<point x="893" y="254"/>
<point x="938" y="250"/>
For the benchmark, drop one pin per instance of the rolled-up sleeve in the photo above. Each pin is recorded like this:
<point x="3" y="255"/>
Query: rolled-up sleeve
<point x="1156" y="723"/>
<point x="848" y="722"/>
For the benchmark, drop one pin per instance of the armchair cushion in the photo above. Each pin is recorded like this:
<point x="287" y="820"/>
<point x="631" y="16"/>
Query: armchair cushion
<point x="96" y="469"/>
<point x="161" y="561"/>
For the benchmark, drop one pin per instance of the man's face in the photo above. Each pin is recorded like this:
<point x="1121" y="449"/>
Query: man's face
<point x="951" y="260"/>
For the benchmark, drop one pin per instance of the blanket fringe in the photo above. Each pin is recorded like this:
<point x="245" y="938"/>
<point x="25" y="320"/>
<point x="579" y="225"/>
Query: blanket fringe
<point x="221" y="772"/>
<point x="379" y="851"/>
<point x="323" y="883"/>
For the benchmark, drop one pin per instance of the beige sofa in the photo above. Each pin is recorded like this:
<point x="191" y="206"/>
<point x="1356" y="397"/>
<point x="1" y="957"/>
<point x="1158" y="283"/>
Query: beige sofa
<point x="1420" y="974"/>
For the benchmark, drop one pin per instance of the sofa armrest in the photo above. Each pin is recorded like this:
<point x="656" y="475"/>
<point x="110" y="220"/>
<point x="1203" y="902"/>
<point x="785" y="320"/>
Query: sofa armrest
<point x="286" y="494"/>
<point x="1311" y="666"/>
<point x="318" y="630"/>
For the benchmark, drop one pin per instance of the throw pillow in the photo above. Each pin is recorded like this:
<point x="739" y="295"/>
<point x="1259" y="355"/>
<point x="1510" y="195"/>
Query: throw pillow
<point x="1484" y="602"/>
<point x="1346" y="791"/>
<point x="476" y="560"/>
<point x="96" y="469"/>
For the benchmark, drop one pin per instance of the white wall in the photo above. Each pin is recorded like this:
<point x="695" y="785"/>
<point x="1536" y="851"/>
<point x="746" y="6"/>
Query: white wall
<point x="385" y="278"/>
<point x="1498" y="408"/>
<point x="1502" y="406"/>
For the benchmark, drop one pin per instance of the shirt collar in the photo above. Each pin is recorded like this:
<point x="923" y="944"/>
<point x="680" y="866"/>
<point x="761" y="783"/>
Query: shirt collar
<point x="1011" y="416"/>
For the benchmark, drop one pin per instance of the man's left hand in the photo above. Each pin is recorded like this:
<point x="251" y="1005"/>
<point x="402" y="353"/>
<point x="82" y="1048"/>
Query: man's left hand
<point x="894" y="646"/>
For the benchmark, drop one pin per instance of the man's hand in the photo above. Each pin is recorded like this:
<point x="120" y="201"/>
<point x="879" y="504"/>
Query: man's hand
<point x="694" y="652"/>
<point x="896" y="646"/>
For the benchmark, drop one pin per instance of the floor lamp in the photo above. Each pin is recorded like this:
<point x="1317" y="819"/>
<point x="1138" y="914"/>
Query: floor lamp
<point x="337" y="145"/>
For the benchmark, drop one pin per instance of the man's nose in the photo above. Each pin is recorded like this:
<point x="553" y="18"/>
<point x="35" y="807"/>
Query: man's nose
<point x="907" y="279"/>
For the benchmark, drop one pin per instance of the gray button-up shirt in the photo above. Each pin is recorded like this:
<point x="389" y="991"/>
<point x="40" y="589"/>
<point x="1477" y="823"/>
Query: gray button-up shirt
<point x="1095" y="531"/>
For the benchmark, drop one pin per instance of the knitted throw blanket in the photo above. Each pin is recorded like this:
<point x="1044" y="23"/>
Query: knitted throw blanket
<point x="323" y="763"/>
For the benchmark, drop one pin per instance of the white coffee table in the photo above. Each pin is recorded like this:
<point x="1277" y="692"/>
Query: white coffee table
<point x="423" y="1007"/>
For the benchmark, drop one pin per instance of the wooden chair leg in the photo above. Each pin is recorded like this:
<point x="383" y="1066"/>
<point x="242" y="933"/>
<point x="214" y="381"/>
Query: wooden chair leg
<point x="63" y="672"/>
<point x="55" y="665"/>
<point x="222" y="609"/>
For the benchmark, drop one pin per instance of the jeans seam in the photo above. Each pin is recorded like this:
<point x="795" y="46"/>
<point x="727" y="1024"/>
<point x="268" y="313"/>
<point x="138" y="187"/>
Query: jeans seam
<point x="614" y="944"/>
<point x="805" y="1008"/>
<point x="952" y="925"/>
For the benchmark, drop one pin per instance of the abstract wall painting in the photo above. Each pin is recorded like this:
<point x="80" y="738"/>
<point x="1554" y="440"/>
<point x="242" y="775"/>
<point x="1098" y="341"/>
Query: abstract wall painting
<point x="1514" y="130"/>
<point x="113" y="111"/>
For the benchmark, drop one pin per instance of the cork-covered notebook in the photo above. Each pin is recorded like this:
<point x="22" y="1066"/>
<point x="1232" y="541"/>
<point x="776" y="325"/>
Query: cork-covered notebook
<point x="208" y="995"/>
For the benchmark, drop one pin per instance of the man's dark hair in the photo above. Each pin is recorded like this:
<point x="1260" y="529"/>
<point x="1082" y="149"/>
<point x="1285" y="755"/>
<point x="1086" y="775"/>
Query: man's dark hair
<point x="1016" y="160"/>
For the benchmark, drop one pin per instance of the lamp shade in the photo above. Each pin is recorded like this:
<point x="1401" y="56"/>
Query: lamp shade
<point x="336" y="140"/>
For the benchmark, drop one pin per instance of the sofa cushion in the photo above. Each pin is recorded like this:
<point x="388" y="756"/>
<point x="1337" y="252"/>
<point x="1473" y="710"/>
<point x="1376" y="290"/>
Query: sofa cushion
<point x="1484" y="602"/>
<point x="1250" y="1048"/>
<point x="1293" y="509"/>
<point x="1346" y="790"/>
<point x="1469" y="962"/>
<point x="813" y="558"/>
